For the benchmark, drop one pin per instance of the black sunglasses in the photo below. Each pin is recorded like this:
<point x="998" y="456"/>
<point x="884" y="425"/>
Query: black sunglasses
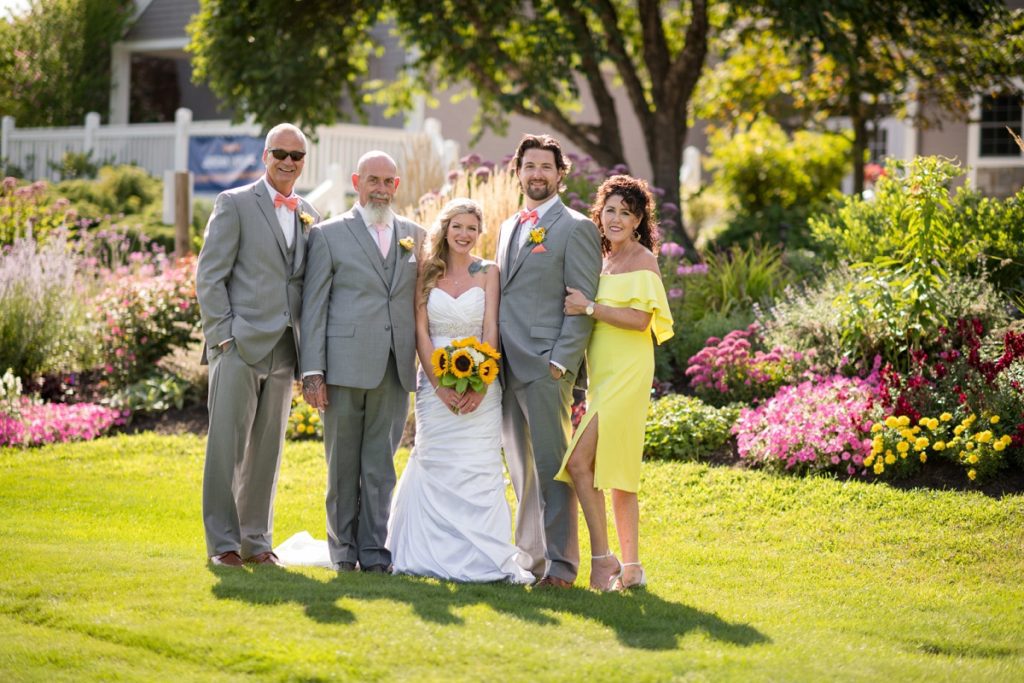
<point x="281" y="154"/>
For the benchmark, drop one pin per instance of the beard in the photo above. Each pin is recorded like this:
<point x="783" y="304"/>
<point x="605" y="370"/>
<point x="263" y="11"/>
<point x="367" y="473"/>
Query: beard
<point x="378" y="210"/>
<point x="539" y="192"/>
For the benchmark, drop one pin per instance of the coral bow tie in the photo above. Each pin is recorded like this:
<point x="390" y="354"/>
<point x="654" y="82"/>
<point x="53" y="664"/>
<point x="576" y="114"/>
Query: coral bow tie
<point x="528" y="216"/>
<point x="291" y="202"/>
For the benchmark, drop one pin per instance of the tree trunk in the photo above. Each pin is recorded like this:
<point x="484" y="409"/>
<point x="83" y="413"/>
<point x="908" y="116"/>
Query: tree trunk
<point x="666" y="157"/>
<point x="860" y="144"/>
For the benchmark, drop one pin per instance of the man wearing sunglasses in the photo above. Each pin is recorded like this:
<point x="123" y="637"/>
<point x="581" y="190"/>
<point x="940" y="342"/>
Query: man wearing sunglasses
<point x="249" y="285"/>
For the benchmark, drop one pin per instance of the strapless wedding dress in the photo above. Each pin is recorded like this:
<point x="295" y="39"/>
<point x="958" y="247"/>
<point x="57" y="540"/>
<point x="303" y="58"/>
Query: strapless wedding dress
<point x="449" y="515"/>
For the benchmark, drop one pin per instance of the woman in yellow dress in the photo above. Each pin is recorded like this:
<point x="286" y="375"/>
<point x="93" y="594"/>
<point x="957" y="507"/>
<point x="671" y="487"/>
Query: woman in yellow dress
<point x="630" y="309"/>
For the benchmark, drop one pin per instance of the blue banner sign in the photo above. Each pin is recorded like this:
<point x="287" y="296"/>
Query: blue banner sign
<point x="220" y="162"/>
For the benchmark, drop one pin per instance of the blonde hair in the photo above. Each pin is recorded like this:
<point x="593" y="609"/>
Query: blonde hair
<point x="435" y="262"/>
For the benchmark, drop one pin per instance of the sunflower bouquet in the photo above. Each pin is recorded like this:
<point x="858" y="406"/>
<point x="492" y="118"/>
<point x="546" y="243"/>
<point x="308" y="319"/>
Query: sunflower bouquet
<point x="466" y="363"/>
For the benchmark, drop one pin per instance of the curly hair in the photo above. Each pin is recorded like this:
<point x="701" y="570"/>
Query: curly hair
<point x="435" y="263"/>
<point x="637" y="196"/>
<point x="544" y="141"/>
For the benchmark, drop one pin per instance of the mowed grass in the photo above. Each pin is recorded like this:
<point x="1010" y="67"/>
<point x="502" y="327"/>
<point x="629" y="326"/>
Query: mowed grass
<point x="753" y="577"/>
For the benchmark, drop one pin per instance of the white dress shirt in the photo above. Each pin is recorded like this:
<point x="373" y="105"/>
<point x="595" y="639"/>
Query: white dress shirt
<point x="285" y="216"/>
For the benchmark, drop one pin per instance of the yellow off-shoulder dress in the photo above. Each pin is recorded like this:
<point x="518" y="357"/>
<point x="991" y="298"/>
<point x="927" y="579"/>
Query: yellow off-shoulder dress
<point x="621" y="369"/>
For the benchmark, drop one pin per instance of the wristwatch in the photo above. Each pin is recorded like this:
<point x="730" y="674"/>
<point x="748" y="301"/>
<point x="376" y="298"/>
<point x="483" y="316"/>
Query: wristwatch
<point x="590" y="308"/>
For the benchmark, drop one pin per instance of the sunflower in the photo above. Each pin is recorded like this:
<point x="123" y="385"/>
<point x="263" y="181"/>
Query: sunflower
<point x="488" y="370"/>
<point x="484" y="347"/>
<point x="440" y="360"/>
<point x="462" y="363"/>
<point x="460" y="343"/>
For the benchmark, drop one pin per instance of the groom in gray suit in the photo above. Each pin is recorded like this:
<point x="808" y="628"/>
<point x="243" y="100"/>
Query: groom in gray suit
<point x="543" y="249"/>
<point x="249" y="285"/>
<point x="358" y="357"/>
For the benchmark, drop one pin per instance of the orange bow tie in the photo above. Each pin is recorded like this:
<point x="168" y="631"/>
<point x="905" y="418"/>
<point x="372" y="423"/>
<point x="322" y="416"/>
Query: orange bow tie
<point x="291" y="202"/>
<point x="528" y="216"/>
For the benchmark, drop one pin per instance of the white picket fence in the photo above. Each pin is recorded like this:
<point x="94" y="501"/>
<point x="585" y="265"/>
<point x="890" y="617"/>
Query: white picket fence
<point x="163" y="147"/>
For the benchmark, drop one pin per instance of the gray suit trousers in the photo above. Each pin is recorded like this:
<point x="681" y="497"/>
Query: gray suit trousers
<point x="537" y="424"/>
<point x="249" y="406"/>
<point x="362" y="430"/>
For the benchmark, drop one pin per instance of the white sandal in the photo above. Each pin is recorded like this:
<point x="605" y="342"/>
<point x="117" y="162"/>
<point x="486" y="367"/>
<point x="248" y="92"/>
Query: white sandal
<point x="610" y="583"/>
<point x="642" y="583"/>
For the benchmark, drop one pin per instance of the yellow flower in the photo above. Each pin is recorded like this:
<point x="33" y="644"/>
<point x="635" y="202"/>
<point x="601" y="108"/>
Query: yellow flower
<point x="440" y="360"/>
<point x="983" y="437"/>
<point x="903" y="446"/>
<point x="879" y="467"/>
<point x="868" y="460"/>
<point x="924" y="457"/>
<point x="946" y="417"/>
<point x="407" y="243"/>
<point x="484" y="347"/>
<point x="314" y="418"/>
<point x="904" y="421"/>
<point x="958" y="430"/>
<point x="994" y="419"/>
<point x="939" y="445"/>
<point x="877" y="427"/>
<point x="934" y="424"/>
<point x="461" y="343"/>
<point x="890" y="459"/>
<point x="969" y="446"/>
<point x="972" y="458"/>
<point x="971" y="474"/>
<point x="462" y="363"/>
<point x="488" y="370"/>
<point x="306" y="218"/>
<point x="969" y="420"/>
<point x="538" y="234"/>
<point x="915" y="430"/>
<point x="999" y="445"/>
<point x="892" y="422"/>
<point x="906" y="434"/>
<point x="921" y="443"/>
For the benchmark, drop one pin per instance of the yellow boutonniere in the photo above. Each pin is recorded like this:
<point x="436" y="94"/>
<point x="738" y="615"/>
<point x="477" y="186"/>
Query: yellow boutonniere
<point x="306" y="219"/>
<point x="538" y="234"/>
<point x="407" y="243"/>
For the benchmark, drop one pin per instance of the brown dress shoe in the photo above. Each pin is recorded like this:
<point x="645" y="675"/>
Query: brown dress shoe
<point x="345" y="567"/>
<point x="267" y="557"/>
<point x="228" y="559"/>
<point x="552" y="582"/>
<point x="377" y="569"/>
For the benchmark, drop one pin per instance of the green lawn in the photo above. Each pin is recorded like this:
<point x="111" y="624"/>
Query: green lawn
<point x="753" y="577"/>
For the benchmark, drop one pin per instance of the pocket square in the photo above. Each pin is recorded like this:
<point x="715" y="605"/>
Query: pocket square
<point x="412" y="258"/>
<point x="539" y="249"/>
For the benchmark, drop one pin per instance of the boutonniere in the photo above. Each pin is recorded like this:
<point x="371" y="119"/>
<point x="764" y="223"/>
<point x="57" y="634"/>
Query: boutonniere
<point x="407" y="243"/>
<point x="538" y="234"/>
<point x="306" y="219"/>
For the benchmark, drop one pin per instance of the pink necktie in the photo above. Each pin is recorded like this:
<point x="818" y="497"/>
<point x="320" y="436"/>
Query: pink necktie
<point x="291" y="202"/>
<point x="382" y="238"/>
<point x="528" y="216"/>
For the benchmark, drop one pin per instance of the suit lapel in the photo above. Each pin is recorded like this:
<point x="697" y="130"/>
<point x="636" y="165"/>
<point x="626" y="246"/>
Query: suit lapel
<point x="401" y="232"/>
<point x="300" y="238"/>
<point x="362" y="235"/>
<point x="548" y="222"/>
<point x="266" y="205"/>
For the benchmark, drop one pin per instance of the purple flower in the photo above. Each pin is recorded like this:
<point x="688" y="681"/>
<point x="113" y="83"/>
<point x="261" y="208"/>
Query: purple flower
<point x="675" y="293"/>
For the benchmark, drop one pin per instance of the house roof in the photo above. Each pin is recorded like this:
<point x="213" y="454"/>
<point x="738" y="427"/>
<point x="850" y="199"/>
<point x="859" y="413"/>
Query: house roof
<point x="161" y="19"/>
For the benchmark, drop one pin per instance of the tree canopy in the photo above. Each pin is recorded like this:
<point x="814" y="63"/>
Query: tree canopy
<point x="529" y="58"/>
<point x="55" y="60"/>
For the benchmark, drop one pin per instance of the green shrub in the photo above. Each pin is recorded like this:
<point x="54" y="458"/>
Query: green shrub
<point x="28" y="211"/>
<point x="776" y="181"/>
<point x="977" y="233"/>
<point x="156" y="393"/>
<point x="117" y="190"/>
<point x="77" y="165"/>
<point x="818" y="315"/>
<point x="684" y="428"/>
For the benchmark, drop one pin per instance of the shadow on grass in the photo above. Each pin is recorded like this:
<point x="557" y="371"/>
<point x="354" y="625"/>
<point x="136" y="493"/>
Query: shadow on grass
<point x="640" y="619"/>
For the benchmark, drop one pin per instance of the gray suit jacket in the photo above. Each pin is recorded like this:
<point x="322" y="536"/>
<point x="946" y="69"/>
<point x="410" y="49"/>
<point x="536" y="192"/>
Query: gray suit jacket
<point x="245" y="287"/>
<point x="534" y="329"/>
<point x="353" y="315"/>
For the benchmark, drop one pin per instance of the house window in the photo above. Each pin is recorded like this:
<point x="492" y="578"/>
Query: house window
<point x="998" y="113"/>
<point x="878" y="143"/>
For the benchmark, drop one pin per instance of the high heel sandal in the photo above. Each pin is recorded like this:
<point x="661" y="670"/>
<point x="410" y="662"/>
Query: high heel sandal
<point x="620" y="585"/>
<point x="608" y="583"/>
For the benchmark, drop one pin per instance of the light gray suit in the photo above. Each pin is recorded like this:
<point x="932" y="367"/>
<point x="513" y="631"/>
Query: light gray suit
<point x="359" y="327"/>
<point x="536" y="408"/>
<point x="249" y="285"/>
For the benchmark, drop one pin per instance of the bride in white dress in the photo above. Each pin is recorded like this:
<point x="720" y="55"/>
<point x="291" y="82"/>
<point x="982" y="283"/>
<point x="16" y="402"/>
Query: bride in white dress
<point x="449" y="516"/>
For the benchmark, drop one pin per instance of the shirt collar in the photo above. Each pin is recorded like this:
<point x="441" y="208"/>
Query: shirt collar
<point x="272" y="191"/>
<point x="543" y="208"/>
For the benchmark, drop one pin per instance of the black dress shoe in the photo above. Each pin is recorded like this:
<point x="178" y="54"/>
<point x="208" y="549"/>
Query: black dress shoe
<point x="377" y="569"/>
<point x="345" y="567"/>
